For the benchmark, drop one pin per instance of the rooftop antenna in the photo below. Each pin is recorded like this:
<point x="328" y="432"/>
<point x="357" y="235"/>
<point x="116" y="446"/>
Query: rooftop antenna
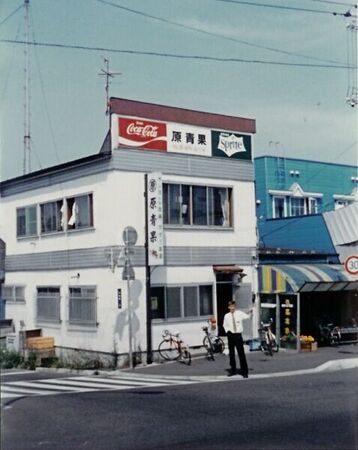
<point x="27" y="134"/>
<point x="108" y="74"/>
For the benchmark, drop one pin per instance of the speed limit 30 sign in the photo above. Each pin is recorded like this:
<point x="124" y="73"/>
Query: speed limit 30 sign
<point x="351" y="265"/>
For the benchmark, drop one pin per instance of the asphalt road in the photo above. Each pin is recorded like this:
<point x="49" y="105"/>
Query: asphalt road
<point x="317" y="411"/>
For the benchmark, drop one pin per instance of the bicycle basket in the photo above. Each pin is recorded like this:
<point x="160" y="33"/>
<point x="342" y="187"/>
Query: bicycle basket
<point x="166" y="335"/>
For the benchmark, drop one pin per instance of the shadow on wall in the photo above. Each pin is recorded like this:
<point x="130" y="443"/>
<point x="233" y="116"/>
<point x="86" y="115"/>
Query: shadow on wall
<point x="121" y="336"/>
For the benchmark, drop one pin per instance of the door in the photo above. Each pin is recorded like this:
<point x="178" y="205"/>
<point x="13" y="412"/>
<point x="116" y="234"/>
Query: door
<point x="224" y="293"/>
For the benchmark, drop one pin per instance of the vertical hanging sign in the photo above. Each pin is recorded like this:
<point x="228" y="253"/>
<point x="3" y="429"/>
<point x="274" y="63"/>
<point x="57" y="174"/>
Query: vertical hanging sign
<point x="155" y="219"/>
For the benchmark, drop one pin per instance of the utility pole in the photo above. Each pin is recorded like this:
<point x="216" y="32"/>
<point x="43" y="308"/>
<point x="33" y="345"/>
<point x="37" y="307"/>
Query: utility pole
<point x="108" y="74"/>
<point x="27" y="134"/>
<point x="352" y="27"/>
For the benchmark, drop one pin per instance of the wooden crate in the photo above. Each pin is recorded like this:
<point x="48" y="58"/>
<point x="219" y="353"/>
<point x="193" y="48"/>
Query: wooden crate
<point x="308" y="346"/>
<point x="39" y="343"/>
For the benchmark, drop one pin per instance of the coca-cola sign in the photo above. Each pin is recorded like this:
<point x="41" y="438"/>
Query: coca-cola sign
<point x="142" y="133"/>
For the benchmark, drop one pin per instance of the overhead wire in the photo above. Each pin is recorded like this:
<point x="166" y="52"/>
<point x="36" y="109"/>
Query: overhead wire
<point x="11" y="14"/>
<point x="287" y="8"/>
<point x="175" y="55"/>
<point x="10" y="66"/>
<point x="46" y="108"/>
<point x="210" y="33"/>
<point x="329" y="2"/>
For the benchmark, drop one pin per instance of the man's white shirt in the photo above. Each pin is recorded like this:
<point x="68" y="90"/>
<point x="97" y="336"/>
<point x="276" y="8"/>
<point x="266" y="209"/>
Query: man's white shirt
<point x="229" y="320"/>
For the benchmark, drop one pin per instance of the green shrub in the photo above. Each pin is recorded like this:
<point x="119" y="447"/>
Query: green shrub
<point x="10" y="359"/>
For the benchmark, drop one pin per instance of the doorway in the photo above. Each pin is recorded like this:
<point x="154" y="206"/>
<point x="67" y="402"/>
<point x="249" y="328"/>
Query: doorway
<point x="224" y="293"/>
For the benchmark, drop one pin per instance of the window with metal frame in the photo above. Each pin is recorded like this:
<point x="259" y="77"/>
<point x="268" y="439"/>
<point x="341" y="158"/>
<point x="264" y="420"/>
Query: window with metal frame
<point x="196" y="205"/>
<point x="79" y="212"/>
<point x="48" y="304"/>
<point x="26" y="221"/>
<point x="279" y="207"/>
<point x="13" y="294"/>
<point x="83" y="305"/>
<point x="181" y="302"/>
<point x="52" y="216"/>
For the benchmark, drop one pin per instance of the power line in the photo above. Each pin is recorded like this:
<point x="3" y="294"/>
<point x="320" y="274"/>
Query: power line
<point x="11" y="14"/>
<point x="209" y="33"/>
<point x="335" y="3"/>
<point x="287" y="8"/>
<point x="175" y="55"/>
<point x="45" y="97"/>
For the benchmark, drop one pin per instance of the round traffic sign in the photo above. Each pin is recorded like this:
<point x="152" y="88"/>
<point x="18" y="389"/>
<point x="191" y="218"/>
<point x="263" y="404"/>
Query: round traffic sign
<point x="129" y="236"/>
<point x="351" y="265"/>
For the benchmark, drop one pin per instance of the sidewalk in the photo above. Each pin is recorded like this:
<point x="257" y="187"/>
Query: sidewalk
<point x="283" y="361"/>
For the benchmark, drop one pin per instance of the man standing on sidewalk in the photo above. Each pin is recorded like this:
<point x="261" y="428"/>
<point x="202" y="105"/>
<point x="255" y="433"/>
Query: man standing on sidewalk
<point x="233" y="328"/>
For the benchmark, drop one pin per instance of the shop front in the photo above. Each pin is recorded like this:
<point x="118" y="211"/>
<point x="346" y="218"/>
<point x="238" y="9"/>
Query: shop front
<point x="303" y="299"/>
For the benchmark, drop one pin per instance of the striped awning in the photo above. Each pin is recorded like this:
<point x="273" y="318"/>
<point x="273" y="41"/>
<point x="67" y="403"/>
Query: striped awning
<point x="304" y="278"/>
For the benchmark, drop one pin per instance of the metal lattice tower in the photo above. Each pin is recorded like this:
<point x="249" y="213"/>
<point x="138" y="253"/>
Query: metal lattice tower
<point x="27" y="134"/>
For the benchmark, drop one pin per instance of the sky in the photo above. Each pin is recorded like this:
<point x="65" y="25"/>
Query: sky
<point x="300" y="110"/>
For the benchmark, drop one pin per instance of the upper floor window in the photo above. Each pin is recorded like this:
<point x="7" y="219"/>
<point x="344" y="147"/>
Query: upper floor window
<point x="13" y="294"/>
<point x="52" y="216"/>
<point x="197" y="205"/>
<point x="279" y="207"/>
<point x="79" y="212"/>
<point x="297" y="206"/>
<point x="26" y="221"/>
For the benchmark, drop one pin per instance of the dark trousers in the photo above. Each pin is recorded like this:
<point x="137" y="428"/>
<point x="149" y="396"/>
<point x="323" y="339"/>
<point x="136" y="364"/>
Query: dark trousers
<point x="235" y="341"/>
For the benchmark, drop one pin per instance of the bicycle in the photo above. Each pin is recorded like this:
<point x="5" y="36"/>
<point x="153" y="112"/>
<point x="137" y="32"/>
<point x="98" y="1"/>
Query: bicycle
<point x="268" y="343"/>
<point x="329" y="334"/>
<point x="174" y="348"/>
<point x="213" y="344"/>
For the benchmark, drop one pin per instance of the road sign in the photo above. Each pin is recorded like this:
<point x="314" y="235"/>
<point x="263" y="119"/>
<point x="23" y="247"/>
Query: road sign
<point x="129" y="236"/>
<point x="351" y="265"/>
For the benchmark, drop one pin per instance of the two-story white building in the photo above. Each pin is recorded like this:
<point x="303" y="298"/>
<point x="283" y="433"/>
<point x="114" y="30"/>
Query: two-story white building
<point x="63" y="230"/>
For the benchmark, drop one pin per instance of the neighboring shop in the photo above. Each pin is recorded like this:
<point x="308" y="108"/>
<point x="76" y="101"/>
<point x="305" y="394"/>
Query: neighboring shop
<point x="300" y="297"/>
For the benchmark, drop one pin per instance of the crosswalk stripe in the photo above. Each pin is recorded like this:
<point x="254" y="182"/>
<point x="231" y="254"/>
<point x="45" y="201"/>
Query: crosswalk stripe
<point x="24" y="390"/>
<point x="52" y="386"/>
<point x="110" y="380"/>
<point x="162" y="381"/>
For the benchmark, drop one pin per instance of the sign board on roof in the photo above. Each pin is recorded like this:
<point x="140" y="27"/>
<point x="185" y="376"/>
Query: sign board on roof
<point x="148" y="134"/>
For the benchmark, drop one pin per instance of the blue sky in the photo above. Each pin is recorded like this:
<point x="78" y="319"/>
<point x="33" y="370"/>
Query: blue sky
<point x="300" y="111"/>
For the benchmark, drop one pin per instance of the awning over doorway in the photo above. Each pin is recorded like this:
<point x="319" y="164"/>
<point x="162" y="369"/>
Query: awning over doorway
<point x="230" y="269"/>
<point x="304" y="278"/>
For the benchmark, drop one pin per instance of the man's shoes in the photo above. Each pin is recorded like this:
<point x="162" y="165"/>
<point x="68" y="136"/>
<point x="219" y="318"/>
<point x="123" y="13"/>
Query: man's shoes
<point x="245" y="375"/>
<point x="231" y="373"/>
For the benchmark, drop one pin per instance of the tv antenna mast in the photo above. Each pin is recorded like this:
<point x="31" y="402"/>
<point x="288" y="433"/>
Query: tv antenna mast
<point x="108" y="74"/>
<point x="27" y="134"/>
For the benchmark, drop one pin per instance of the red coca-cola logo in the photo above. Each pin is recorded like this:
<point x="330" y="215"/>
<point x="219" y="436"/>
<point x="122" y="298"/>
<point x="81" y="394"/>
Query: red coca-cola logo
<point x="142" y="134"/>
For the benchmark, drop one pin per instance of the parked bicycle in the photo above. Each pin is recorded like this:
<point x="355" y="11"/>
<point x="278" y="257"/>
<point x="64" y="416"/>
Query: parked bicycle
<point x="212" y="343"/>
<point x="174" y="348"/>
<point x="268" y="343"/>
<point x="329" y="334"/>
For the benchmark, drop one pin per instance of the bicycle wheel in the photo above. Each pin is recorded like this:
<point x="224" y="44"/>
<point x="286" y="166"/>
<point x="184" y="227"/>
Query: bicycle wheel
<point x="219" y="344"/>
<point x="274" y="345"/>
<point x="186" y="357"/>
<point x="168" y="350"/>
<point x="269" y="348"/>
<point x="209" y="347"/>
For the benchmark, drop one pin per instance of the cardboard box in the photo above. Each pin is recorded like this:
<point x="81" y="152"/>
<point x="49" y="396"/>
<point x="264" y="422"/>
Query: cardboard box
<point x="308" y="346"/>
